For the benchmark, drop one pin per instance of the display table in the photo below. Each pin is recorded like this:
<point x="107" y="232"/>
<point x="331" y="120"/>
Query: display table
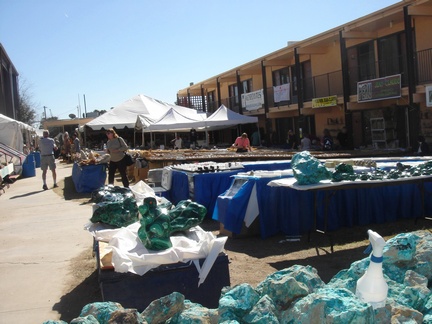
<point x="88" y="178"/>
<point x="135" y="291"/>
<point x="134" y="276"/>
<point x="331" y="205"/>
<point x="204" y="188"/>
<point x="246" y="199"/>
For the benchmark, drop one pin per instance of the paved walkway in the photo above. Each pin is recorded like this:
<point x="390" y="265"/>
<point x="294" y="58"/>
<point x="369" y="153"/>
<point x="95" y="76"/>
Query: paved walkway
<point x="40" y="232"/>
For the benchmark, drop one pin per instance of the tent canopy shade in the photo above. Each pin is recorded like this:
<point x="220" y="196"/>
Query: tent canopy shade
<point x="125" y="114"/>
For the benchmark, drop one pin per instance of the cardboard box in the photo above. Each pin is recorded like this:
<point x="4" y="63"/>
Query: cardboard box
<point x="140" y="174"/>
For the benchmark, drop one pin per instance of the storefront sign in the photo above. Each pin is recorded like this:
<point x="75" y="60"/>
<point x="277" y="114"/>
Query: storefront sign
<point x="324" y="102"/>
<point x="379" y="89"/>
<point x="428" y="91"/>
<point x="281" y="93"/>
<point x="253" y="100"/>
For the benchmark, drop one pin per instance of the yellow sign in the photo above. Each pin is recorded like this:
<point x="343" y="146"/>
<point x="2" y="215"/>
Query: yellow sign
<point x="324" y="102"/>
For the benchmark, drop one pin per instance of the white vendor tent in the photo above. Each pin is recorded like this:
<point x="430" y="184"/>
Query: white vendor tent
<point x="13" y="133"/>
<point x="224" y="118"/>
<point x="176" y="121"/>
<point x="125" y="114"/>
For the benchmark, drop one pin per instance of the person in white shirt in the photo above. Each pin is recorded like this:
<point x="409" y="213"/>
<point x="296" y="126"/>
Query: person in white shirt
<point x="47" y="147"/>
<point x="178" y="142"/>
<point x="305" y="143"/>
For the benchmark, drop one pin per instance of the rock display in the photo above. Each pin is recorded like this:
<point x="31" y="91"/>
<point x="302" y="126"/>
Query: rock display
<point x="346" y="172"/>
<point x="298" y="295"/>
<point x="114" y="206"/>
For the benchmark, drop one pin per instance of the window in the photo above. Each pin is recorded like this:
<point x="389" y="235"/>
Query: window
<point x="281" y="77"/>
<point x="233" y="95"/>
<point x="211" y="101"/>
<point x="366" y="61"/>
<point x="392" y="55"/>
<point x="247" y="85"/>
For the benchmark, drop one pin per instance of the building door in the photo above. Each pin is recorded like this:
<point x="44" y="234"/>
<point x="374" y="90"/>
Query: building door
<point x="357" y="129"/>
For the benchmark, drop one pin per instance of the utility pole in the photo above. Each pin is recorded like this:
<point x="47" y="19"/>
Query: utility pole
<point x="45" y="108"/>
<point x="85" y="107"/>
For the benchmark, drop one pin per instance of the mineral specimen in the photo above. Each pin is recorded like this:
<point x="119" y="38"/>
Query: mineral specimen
<point x="158" y="223"/>
<point x="116" y="206"/>
<point x="308" y="169"/>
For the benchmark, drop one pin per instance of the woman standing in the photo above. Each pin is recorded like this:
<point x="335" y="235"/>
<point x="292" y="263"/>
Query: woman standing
<point x="116" y="147"/>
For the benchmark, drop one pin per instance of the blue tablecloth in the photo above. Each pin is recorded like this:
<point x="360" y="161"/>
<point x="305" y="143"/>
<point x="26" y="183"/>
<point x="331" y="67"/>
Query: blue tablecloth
<point x="88" y="178"/>
<point x="283" y="210"/>
<point x="208" y="186"/>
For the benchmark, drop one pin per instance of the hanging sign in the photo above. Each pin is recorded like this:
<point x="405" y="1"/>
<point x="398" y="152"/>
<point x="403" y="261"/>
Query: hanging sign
<point x="253" y="100"/>
<point x="324" y="102"/>
<point x="379" y="89"/>
<point x="428" y="91"/>
<point x="281" y="92"/>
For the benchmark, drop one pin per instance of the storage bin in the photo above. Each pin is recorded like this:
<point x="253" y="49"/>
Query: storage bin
<point x="28" y="167"/>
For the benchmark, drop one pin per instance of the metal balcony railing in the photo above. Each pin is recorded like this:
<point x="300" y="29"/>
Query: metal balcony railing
<point x="424" y="66"/>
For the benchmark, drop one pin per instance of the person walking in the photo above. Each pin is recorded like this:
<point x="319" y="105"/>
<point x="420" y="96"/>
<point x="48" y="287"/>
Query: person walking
<point x="116" y="147"/>
<point x="47" y="147"/>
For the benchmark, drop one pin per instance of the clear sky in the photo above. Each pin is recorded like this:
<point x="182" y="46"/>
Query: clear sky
<point x="111" y="50"/>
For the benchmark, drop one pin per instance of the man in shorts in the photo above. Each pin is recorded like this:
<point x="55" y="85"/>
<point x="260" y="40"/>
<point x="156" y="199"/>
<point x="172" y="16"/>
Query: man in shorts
<point x="47" y="147"/>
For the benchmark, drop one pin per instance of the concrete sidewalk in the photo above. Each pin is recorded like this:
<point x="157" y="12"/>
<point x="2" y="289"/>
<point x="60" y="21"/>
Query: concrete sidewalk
<point x="40" y="232"/>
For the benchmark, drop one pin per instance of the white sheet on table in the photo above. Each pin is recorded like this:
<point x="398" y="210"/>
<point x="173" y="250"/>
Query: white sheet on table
<point x="130" y="255"/>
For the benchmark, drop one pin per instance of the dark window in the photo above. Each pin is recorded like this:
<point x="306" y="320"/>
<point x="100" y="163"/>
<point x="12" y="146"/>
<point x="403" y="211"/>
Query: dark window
<point x="392" y="55"/>
<point x="366" y="61"/>
<point x="233" y="95"/>
<point x="281" y="77"/>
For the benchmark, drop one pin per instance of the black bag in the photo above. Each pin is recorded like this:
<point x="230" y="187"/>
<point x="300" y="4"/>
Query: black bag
<point x="128" y="160"/>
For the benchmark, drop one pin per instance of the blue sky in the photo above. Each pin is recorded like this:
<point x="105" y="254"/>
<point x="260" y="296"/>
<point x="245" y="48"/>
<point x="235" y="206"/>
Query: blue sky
<point x="112" y="50"/>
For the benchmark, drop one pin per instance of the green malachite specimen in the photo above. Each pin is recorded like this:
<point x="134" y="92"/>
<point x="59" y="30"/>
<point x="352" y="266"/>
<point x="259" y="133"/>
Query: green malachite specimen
<point x="116" y="206"/>
<point x="307" y="169"/>
<point x="159" y="222"/>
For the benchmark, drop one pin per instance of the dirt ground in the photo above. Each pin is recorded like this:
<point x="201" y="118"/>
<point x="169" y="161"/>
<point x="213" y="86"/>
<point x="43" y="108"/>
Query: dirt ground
<point x="251" y="259"/>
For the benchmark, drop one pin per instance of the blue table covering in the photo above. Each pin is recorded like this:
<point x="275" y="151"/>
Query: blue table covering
<point x="208" y="186"/>
<point x="283" y="210"/>
<point x="88" y="178"/>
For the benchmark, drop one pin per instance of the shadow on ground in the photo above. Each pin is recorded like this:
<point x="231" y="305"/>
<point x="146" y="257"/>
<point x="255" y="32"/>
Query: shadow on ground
<point x="83" y="288"/>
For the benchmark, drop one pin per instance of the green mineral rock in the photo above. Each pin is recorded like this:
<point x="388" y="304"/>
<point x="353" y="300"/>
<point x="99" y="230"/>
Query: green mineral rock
<point x="307" y="169"/>
<point x="158" y="223"/>
<point x="116" y="206"/>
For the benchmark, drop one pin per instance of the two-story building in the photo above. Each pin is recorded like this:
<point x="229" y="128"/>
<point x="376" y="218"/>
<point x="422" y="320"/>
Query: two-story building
<point x="372" y="75"/>
<point x="9" y="94"/>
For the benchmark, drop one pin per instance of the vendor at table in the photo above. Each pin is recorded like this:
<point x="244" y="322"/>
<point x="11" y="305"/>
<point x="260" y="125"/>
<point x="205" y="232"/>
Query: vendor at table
<point x="116" y="147"/>
<point x="242" y="143"/>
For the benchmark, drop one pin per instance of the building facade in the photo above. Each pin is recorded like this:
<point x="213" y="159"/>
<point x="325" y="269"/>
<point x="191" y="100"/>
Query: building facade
<point x="9" y="95"/>
<point x="372" y="75"/>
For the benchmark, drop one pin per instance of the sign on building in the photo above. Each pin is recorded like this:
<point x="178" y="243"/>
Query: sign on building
<point x="253" y="100"/>
<point x="324" y="102"/>
<point x="379" y="89"/>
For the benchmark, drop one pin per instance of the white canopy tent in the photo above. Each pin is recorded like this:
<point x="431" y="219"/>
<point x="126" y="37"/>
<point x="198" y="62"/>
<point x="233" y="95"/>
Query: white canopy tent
<point x="175" y="121"/>
<point x="224" y="118"/>
<point x="125" y="114"/>
<point x="13" y="133"/>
